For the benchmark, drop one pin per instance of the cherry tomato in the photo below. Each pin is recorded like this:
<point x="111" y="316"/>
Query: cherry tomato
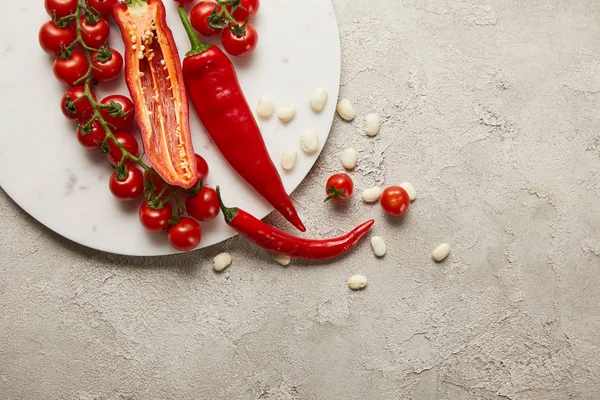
<point x="104" y="7"/>
<point x="95" y="35"/>
<point x="60" y="8"/>
<point x="186" y="235"/>
<point x="92" y="139"/>
<point x="184" y="1"/>
<point x="205" y="206"/>
<point x="119" y="123"/>
<point x="155" y="219"/>
<point x="242" y="45"/>
<point x="395" y="201"/>
<point x="199" y="17"/>
<point x="72" y="69"/>
<point x="52" y="38"/>
<point x="339" y="187"/>
<point x="240" y="14"/>
<point x="129" y="188"/>
<point x="108" y="70"/>
<point x="201" y="167"/>
<point x="81" y="110"/>
<point x="251" y="7"/>
<point x="128" y="142"/>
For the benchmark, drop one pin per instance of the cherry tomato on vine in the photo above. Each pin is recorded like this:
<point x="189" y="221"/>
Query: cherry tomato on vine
<point x="242" y="45"/>
<point x="186" y="235"/>
<point x="199" y="17"/>
<point x="52" y="38"/>
<point x="205" y="206"/>
<point x="119" y="123"/>
<point x="201" y="167"/>
<point x="104" y="7"/>
<point x="93" y="138"/>
<point x="128" y="142"/>
<point x="251" y="7"/>
<point x="105" y="71"/>
<point x="395" y="201"/>
<point x="339" y="187"/>
<point x="60" y="8"/>
<point x="73" y="108"/>
<point x="129" y="188"/>
<point x="155" y="219"/>
<point x="95" y="35"/>
<point x="72" y="69"/>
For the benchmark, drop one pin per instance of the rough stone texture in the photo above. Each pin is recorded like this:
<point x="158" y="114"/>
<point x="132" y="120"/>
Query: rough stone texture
<point x="491" y="111"/>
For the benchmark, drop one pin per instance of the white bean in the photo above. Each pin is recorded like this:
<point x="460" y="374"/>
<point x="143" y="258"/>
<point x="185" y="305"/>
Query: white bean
<point x="357" y="282"/>
<point x="441" y="252"/>
<point x="349" y="159"/>
<point x="286" y="113"/>
<point x="371" y="195"/>
<point x="318" y="99"/>
<point x="282" y="259"/>
<point x="309" y="140"/>
<point x="265" y="108"/>
<point x="410" y="189"/>
<point x="346" y="110"/>
<point x="222" y="261"/>
<point x="288" y="158"/>
<point x="372" y="124"/>
<point x="378" y="245"/>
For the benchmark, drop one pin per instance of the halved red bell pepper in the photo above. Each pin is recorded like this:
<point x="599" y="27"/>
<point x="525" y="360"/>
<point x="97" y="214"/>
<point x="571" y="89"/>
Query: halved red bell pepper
<point x="155" y="82"/>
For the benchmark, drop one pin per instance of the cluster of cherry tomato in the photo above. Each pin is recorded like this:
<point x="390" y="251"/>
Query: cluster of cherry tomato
<point x="230" y="19"/>
<point x="77" y="36"/>
<point x="394" y="200"/>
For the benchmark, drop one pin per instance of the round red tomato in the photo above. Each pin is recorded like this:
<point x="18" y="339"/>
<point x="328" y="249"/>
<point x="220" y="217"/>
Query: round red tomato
<point x="80" y="110"/>
<point x="205" y="206"/>
<point x="95" y="35"/>
<point x="395" y="201"/>
<point x="250" y="6"/>
<point x="339" y="187"/>
<point x="186" y="235"/>
<point x="104" y="7"/>
<point x="128" y="142"/>
<point x="93" y="138"/>
<point x="242" y="45"/>
<point x="105" y="71"/>
<point x="52" y="38"/>
<point x="201" y="167"/>
<point x="155" y="219"/>
<point x="119" y="104"/>
<point x="60" y="8"/>
<point x="72" y="69"/>
<point x="129" y="188"/>
<point x="199" y="18"/>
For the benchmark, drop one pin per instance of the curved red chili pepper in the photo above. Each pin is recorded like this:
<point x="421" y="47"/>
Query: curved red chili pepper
<point x="280" y="242"/>
<point x="155" y="82"/>
<point x="215" y="92"/>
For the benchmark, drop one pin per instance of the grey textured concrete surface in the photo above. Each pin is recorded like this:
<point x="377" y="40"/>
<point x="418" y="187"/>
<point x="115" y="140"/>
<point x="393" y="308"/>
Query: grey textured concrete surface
<point x="491" y="111"/>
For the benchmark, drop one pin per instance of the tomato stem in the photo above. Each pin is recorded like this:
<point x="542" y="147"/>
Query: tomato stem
<point x="197" y="46"/>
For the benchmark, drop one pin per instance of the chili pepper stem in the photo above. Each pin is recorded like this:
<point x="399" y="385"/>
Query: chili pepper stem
<point x="228" y="213"/>
<point x="197" y="46"/>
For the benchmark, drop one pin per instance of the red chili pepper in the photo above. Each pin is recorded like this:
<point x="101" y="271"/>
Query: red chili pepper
<point x="215" y="92"/>
<point x="154" y="78"/>
<point x="280" y="242"/>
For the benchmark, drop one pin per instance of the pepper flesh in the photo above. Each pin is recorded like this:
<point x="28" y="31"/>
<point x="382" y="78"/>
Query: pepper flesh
<point x="280" y="242"/>
<point x="215" y="92"/>
<point x="155" y="82"/>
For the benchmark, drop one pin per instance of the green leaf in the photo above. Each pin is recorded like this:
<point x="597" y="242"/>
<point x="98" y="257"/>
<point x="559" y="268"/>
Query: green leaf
<point x="115" y="109"/>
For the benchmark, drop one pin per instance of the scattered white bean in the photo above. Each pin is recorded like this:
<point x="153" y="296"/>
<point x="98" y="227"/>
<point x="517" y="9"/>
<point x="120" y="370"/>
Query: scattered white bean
<point x="286" y="113"/>
<point x="265" y="108"/>
<point x="357" y="282"/>
<point x="410" y="189"/>
<point x="309" y="140"/>
<point x="288" y="158"/>
<point x="349" y="159"/>
<point x="282" y="259"/>
<point x="318" y="99"/>
<point x="346" y="110"/>
<point x="378" y="245"/>
<point x="441" y="252"/>
<point x="371" y="195"/>
<point x="222" y="261"/>
<point x="372" y="124"/>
